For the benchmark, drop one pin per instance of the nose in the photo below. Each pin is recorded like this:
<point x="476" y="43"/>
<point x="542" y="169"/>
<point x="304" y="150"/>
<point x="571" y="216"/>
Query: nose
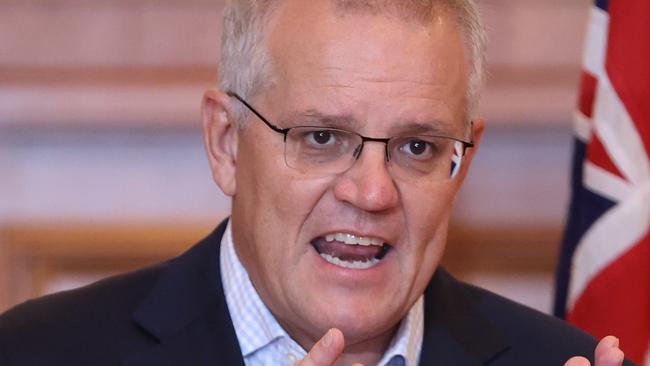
<point x="367" y="184"/>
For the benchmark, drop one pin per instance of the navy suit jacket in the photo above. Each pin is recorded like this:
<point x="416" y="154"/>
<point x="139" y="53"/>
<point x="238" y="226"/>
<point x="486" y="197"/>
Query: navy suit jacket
<point x="175" y="313"/>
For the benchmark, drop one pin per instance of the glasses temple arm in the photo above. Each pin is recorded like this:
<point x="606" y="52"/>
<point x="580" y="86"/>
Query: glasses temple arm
<point x="256" y="113"/>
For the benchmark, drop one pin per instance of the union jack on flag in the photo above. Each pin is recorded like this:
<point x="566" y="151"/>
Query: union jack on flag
<point x="603" y="277"/>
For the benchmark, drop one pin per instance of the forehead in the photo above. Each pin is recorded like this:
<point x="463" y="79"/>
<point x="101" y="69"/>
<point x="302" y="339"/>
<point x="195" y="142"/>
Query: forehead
<point x="359" y="62"/>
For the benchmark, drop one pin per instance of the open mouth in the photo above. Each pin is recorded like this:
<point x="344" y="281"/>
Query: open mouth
<point x="351" y="251"/>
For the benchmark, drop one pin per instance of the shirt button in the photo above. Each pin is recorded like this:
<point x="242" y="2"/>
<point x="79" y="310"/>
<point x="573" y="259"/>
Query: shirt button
<point x="291" y="358"/>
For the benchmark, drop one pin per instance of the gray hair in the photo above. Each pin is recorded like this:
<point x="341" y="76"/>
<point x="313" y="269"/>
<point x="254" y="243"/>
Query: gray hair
<point x="245" y="66"/>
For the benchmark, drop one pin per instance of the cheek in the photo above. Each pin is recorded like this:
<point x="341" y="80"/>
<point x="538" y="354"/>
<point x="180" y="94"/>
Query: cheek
<point x="259" y="166"/>
<point x="428" y="209"/>
<point x="427" y="217"/>
<point x="271" y="195"/>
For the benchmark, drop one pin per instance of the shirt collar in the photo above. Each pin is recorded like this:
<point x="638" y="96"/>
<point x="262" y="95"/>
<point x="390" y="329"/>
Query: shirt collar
<point x="407" y="341"/>
<point x="257" y="328"/>
<point x="254" y="324"/>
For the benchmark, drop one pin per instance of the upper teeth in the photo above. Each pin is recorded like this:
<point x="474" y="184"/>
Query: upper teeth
<point x="351" y="239"/>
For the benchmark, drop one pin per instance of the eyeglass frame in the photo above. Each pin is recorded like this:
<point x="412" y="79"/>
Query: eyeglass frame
<point x="358" y="150"/>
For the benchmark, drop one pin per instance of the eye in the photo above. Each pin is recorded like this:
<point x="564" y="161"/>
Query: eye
<point x="322" y="137"/>
<point x="318" y="140"/>
<point x="417" y="148"/>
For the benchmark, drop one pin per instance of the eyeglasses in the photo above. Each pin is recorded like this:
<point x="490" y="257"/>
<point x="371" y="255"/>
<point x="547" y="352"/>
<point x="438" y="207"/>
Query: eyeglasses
<point x="321" y="151"/>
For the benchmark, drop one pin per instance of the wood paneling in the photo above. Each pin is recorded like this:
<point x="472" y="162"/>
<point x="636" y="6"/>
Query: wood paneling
<point x="34" y="255"/>
<point x="71" y="65"/>
<point x="514" y="249"/>
<point x="72" y="62"/>
<point x="101" y="97"/>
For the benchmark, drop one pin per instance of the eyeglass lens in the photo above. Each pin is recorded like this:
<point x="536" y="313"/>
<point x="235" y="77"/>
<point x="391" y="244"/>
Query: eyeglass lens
<point x="318" y="151"/>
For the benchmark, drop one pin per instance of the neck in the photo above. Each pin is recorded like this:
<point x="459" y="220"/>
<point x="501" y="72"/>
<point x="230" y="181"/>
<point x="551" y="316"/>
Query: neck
<point x="366" y="353"/>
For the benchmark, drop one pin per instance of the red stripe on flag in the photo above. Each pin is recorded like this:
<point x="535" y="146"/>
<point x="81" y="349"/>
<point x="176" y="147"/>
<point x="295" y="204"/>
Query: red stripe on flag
<point x="588" y="85"/>
<point x="617" y="301"/>
<point x="597" y="154"/>
<point x="628" y="57"/>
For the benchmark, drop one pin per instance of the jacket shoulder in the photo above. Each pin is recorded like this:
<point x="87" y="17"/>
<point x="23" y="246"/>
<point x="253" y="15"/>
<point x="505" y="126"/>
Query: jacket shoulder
<point x="531" y="335"/>
<point x="94" y="319"/>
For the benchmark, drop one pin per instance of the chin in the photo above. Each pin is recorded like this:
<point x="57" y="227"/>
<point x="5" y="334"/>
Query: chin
<point x="359" y="320"/>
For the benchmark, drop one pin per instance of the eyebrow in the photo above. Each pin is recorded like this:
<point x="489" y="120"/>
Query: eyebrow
<point x="313" y="117"/>
<point x="434" y="127"/>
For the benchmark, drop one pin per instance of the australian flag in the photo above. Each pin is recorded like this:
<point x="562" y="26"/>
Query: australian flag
<point x="603" y="276"/>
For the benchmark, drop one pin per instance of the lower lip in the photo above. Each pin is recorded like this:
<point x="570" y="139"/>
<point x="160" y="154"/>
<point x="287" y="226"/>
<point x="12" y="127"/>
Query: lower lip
<point x="352" y="265"/>
<point x="372" y="274"/>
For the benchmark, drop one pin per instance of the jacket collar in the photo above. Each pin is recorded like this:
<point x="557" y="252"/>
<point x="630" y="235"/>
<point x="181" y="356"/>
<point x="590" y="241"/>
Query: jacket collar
<point x="186" y="312"/>
<point x="455" y="332"/>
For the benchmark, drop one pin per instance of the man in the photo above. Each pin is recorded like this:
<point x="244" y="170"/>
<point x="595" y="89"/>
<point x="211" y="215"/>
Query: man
<point x="342" y="130"/>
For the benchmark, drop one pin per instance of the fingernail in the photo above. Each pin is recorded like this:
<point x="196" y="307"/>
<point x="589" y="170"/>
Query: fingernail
<point x="327" y="340"/>
<point x="616" y="342"/>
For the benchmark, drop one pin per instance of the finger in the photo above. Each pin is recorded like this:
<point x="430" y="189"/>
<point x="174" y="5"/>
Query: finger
<point x="608" y="352"/>
<point x="326" y="351"/>
<point x="577" y="361"/>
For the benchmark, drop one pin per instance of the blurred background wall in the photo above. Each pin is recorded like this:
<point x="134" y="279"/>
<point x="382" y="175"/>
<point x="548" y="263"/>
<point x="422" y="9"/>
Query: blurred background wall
<point x="102" y="167"/>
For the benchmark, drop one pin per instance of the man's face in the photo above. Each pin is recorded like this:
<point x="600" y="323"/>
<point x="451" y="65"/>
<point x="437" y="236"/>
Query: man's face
<point x="384" y="76"/>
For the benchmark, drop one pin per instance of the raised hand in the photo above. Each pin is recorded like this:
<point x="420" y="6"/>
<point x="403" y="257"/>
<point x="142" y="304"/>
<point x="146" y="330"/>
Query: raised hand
<point x="326" y="351"/>
<point x="607" y="353"/>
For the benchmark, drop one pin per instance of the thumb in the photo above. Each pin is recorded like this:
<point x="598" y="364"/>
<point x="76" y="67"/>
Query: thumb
<point x="326" y="351"/>
<point x="578" y="361"/>
<point x="608" y="352"/>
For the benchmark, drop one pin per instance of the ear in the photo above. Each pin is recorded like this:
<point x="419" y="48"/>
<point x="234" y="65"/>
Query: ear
<point x="220" y="136"/>
<point x="478" y="126"/>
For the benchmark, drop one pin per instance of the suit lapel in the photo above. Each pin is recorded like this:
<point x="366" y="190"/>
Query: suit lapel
<point x="187" y="313"/>
<point x="455" y="333"/>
